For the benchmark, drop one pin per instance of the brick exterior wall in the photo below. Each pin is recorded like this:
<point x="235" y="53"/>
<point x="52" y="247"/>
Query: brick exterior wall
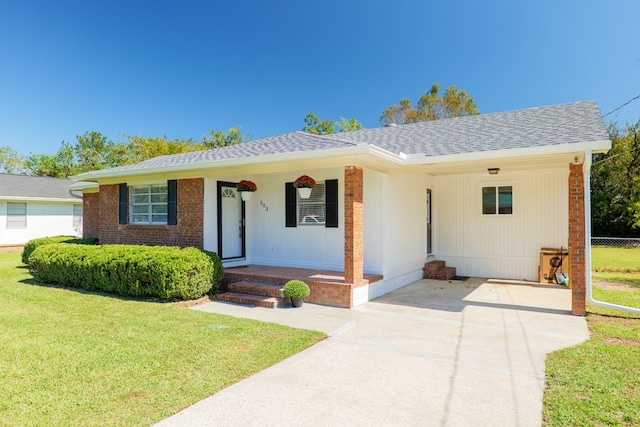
<point x="188" y="231"/>
<point x="90" y="215"/>
<point x="353" y="225"/>
<point x="577" y="240"/>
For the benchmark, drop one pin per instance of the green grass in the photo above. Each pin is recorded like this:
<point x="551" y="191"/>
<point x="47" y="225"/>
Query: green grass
<point x="610" y="259"/>
<point x="74" y="358"/>
<point x="597" y="383"/>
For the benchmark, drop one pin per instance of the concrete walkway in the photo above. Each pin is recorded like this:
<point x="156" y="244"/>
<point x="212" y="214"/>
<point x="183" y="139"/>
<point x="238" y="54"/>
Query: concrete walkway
<point x="430" y="354"/>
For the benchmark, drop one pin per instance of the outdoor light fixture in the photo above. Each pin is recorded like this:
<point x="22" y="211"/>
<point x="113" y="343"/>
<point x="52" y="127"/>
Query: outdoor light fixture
<point x="493" y="171"/>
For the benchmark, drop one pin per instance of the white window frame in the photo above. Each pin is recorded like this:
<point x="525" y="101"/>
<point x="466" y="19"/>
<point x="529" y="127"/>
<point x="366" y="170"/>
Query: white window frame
<point x="154" y="206"/>
<point x="497" y="206"/>
<point x="16" y="215"/>
<point x="312" y="211"/>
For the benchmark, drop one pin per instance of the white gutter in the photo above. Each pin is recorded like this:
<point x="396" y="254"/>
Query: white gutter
<point x="587" y="226"/>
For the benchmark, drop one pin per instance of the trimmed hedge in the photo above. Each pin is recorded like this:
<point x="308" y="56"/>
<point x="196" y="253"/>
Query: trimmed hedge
<point x="165" y="272"/>
<point x="31" y="245"/>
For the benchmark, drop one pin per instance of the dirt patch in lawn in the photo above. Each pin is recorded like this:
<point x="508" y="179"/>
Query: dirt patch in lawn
<point x="192" y="303"/>
<point x="611" y="285"/>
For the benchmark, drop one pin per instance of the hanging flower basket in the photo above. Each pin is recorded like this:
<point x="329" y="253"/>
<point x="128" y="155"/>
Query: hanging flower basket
<point x="304" y="184"/>
<point x="246" y="189"/>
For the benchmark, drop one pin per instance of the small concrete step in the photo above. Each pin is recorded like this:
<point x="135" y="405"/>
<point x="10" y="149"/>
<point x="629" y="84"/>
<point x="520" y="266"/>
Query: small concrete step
<point x="254" y="300"/>
<point x="256" y="288"/>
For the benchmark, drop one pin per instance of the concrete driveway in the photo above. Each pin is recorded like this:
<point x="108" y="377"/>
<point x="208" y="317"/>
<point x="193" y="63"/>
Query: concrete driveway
<point x="433" y="353"/>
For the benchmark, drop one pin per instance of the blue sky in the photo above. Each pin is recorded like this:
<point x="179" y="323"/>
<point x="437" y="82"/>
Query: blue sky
<point x="154" y="68"/>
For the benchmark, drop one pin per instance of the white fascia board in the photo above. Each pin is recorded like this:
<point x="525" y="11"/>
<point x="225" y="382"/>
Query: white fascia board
<point x="38" y="199"/>
<point x="597" y="146"/>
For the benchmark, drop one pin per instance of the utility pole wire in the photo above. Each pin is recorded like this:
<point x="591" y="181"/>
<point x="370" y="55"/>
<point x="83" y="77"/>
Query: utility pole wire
<point x="626" y="103"/>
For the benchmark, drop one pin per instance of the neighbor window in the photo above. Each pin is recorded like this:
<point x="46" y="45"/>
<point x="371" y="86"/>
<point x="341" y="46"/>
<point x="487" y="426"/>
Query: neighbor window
<point x="497" y="200"/>
<point x="77" y="217"/>
<point x="311" y="210"/>
<point x="16" y="215"/>
<point x="148" y="204"/>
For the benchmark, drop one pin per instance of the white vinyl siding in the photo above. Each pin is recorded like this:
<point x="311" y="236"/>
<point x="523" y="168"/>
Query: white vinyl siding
<point x="500" y="246"/>
<point x="311" y="210"/>
<point x="148" y="204"/>
<point x="16" y="215"/>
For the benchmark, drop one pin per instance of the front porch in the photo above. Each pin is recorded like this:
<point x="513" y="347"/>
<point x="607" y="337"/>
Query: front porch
<point x="261" y="285"/>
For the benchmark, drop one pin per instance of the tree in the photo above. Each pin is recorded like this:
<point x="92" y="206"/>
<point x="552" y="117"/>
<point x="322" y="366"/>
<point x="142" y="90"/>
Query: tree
<point x="217" y="139"/>
<point x="316" y="126"/>
<point x="615" y="185"/>
<point x="10" y="161"/>
<point x="94" y="151"/>
<point x="142" y="148"/>
<point x="431" y="106"/>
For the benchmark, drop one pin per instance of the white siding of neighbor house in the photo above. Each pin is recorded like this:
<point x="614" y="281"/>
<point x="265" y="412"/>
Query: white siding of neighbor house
<point x="43" y="219"/>
<point x="500" y="246"/>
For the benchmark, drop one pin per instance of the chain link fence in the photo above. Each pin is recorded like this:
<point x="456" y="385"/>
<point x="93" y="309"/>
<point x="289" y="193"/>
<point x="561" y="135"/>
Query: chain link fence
<point x="616" y="242"/>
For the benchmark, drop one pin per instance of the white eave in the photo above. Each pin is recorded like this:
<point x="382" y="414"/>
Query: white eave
<point x="372" y="152"/>
<point x="39" y="199"/>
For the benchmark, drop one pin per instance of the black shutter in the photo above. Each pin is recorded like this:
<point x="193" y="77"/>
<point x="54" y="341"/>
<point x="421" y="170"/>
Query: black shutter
<point x="331" y="202"/>
<point x="172" y="202"/>
<point x="290" y="209"/>
<point x="122" y="204"/>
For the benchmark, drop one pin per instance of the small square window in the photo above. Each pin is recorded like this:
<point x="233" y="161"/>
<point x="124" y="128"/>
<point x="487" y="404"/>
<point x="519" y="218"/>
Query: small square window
<point x="148" y="204"/>
<point x="497" y="200"/>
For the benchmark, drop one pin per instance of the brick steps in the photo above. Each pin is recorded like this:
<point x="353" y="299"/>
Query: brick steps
<point x="248" y="299"/>
<point x="254" y="293"/>
<point x="438" y="270"/>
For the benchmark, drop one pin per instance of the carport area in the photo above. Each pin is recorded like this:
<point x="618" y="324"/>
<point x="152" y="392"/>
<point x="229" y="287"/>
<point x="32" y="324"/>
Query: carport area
<point x="434" y="353"/>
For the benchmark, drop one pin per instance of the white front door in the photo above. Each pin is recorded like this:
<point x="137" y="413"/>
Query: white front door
<point x="230" y="222"/>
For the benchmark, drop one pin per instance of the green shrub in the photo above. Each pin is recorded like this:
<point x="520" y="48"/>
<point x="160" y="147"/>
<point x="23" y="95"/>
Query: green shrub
<point x="31" y="245"/>
<point x="165" y="272"/>
<point x="218" y="271"/>
<point x="296" y="289"/>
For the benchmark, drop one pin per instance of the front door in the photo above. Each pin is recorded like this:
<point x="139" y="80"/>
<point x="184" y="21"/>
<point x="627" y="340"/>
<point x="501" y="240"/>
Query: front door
<point x="429" y="233"/>
<point x="231" y="241"/>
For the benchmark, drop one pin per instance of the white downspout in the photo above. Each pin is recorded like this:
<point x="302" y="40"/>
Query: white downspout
<point x="587" y="246"/>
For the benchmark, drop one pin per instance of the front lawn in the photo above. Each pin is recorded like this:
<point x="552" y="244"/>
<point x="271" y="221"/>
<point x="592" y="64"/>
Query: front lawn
<point x="75" y="358"/>
<point x="597" y="383"/>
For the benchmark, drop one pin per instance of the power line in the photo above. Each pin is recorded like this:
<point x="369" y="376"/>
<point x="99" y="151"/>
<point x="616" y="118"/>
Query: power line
<point x="625" y="104"/>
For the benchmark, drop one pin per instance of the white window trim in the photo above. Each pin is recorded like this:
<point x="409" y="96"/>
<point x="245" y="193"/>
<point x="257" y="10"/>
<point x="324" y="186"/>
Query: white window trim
<point x="497" y="185"/>
<point x="150" y="204"/>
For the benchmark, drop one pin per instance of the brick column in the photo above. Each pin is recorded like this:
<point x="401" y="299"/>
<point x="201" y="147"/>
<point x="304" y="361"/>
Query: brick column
<point x="353" y="225"/>
<point x="90" y="215"/>
<point x="577" y="233"/>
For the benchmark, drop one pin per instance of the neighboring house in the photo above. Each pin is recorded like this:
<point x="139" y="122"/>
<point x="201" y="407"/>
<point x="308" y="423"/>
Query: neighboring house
<point x="483" y="193"/>
<point x="32" y="207"/>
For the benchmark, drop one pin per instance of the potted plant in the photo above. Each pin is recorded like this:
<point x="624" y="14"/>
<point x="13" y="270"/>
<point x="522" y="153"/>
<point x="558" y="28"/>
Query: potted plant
<point x="304" y="184"/>
<point x="246" y="189"/>
<point x="297" y="290"/>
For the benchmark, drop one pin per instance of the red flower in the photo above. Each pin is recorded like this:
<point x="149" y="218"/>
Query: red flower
<point x="304" y="181"/>
<point x="246" y="186"/>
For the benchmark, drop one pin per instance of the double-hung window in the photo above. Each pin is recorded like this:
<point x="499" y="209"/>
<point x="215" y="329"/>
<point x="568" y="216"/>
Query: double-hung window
<point x="16" y="215"/>
<point x="311" y="211"/>
<point x="77" y="217"/>
<point x="148" y="204"/>
<point x="497" y="200"/>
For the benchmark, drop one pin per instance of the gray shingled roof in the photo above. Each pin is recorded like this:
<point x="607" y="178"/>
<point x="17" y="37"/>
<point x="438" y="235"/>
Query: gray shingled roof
<point x="286" y="143"/>
<point x="535" y="127"/>
<point x="21" y="186"/>
<point x="578" y="122"/>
